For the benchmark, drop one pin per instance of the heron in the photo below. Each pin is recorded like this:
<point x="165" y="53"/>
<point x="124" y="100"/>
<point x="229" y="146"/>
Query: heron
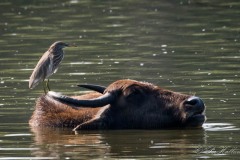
<point x="48" y="65"/>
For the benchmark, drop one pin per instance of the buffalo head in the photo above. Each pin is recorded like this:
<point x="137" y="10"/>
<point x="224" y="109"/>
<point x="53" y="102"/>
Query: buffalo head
<point x="130" y="104"/>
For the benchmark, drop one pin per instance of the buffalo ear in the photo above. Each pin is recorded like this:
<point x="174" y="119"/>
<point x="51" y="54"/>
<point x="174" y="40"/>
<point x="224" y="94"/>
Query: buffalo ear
<point x="100" y="121"/>
<point x="135" y="94"/>
<point x="93" y="124"/>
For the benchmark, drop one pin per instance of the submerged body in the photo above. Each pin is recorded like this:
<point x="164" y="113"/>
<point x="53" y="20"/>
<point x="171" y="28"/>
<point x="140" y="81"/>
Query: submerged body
<point x="48" y="64"/>
<point x="124" y="104"/>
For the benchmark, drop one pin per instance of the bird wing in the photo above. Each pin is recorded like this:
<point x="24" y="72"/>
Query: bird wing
<point x="41" y="71"/>
<point x="56" y="60"/>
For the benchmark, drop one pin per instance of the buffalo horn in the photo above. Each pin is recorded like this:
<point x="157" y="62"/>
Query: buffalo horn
<point x="103" y="100"/>
<point x="96" y="88"/>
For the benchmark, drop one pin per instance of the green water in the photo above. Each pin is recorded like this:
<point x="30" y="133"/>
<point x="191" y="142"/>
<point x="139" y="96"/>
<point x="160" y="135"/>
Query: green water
<point x="186" y="46"/>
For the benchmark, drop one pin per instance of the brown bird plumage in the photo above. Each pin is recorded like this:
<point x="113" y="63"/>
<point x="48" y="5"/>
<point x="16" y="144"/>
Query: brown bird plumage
<point x="48" y="64"/>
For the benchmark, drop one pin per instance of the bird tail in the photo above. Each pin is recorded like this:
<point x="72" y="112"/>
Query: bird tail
<point x="33" y="82"/>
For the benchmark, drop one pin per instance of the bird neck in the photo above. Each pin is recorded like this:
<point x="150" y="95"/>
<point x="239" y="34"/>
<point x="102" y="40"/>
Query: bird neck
<point x="55" y="50"/>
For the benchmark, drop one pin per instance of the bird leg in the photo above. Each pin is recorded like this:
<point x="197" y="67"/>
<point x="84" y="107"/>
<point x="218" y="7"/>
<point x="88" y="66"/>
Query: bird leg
<point x="44" y="87"/>
<point x="47" y="84"/>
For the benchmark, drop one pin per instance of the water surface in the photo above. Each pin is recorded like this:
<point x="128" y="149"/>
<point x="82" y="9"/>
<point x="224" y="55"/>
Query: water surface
<point x="186" y="46"/>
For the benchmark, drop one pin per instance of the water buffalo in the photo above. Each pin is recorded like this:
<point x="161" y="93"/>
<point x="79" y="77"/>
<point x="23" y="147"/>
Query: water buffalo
<point x="124" y="104"/>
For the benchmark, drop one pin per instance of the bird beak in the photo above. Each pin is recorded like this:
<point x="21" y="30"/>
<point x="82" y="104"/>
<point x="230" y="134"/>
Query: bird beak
<point x="72" y="45"/>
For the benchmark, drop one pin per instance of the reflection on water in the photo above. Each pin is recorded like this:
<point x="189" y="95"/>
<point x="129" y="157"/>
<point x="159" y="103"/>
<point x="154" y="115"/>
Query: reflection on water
<point x="52" y="143"/>
<point x="129" y="143"/>
<point x="220" y="127"/>
<point x="186" y="46"/>
<point x="115" y="144"/>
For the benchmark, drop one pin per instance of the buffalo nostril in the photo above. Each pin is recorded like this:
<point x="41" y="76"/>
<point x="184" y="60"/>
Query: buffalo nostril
<point x="195" y="101"/>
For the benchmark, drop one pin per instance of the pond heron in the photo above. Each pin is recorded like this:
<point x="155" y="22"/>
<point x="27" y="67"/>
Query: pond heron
<point x="47" y="65"/>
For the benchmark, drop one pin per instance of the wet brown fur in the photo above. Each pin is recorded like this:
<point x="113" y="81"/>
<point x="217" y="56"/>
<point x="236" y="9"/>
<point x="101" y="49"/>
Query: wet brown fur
<point x="139" y="105"/>
<point x="51" y="113"/>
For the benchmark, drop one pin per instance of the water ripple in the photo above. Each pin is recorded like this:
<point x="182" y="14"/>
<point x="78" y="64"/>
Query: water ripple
<point x="220" y="127"/>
